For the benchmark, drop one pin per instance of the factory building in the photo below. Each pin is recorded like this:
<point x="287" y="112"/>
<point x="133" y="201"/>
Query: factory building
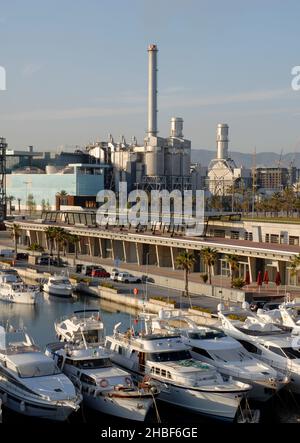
<point x="158" y="163"/>
<point x="222" y="171"/>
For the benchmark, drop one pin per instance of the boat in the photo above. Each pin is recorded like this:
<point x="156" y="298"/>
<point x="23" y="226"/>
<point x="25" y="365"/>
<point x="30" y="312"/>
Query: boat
<point x="58" y="285"/>
<point x="182" y="381"/>
<point x="30" y="382"/>
<point x="82" y="324"/>
<point x="105" y="387"/>
<point x="226" y="354"/>
<point x="14" y="290"/>
<point x="266" y="341"/>
<point x="286" y="316"/>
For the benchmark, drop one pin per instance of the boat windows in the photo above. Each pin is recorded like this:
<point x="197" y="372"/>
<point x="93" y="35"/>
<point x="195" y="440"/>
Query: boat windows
<point x="291" y="353"/>
<point x="202" y="352"/>
<point x="94" y="363"/>
<point x="276" y="350"/>
<point x="108" y="344"/>
<point x="163" y="373"/>
<point x="37" y="369"/>
<point x="157" y="371"/>
<point x="169" y="356"/>
<point x="86" y="379"/>
<point x="205" y="335"/>
<point x="250" y="347"/>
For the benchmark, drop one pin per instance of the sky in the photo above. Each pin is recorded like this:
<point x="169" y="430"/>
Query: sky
<point x="77" y="71"/>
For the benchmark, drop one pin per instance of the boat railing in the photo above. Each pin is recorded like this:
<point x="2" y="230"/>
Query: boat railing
<point x="128" y="338"/>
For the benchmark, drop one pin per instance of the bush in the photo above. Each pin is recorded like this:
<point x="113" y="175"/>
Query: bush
<point x="108" y="285"/>
<point x="171" y="302"/>
<point x="238" y="283"/>
<point x="199" y="308"/>
<point x="204" y="277"/>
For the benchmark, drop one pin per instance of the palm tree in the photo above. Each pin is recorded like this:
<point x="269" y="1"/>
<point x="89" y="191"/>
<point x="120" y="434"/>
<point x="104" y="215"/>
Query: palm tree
<point x="35" y="247"/>
<point x="16" y="234"/>
<point x="50" y="235"/>
<point x="10" y="199"/>
<point x="60" y="237"/>
<point x="209" y="257"/>
<point x="233" y="262"/>
<point x="294" y="264"/>
<point x="74" y="239"/>
<point x="185" y="261"/>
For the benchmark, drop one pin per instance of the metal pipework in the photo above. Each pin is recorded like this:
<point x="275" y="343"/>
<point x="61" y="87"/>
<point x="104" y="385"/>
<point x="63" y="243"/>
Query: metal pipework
<point x="152" y="90"/>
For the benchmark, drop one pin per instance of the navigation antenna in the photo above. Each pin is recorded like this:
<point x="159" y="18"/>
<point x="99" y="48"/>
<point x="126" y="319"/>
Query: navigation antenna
<point x="254" y="179"/>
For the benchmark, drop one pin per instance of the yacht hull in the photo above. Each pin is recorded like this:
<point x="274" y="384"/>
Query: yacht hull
<point x="31" y="408"/>
<point x="58" y="292"/>
<point x="22" y="297"/>
<point x="134" y="409"/>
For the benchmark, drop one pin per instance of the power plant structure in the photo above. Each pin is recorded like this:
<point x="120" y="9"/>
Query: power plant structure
<point x="159" y="163"/>
<point x="223" y="173"/>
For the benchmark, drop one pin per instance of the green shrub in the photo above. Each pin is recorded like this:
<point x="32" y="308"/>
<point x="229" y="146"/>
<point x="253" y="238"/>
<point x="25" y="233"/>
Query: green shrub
<point x="171" y="302"/>
<point x="108" y="285"/>
<point x="238" y="283"/>
<point x="204" y="277"/>
<point x="199" y="308"/>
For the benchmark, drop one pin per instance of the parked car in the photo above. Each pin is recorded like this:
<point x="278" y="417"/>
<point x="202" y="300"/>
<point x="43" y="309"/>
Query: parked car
<point x="125" y="277"/>
<point x="146" y="279"/>
<point x="114" y="274"/>
<point x="100" y="272"/>
<point x="22" y="256"/>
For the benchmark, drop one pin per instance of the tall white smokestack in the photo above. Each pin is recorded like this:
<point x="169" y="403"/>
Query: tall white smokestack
<point x="152" y="90"/>
<point x="222" y="141"/>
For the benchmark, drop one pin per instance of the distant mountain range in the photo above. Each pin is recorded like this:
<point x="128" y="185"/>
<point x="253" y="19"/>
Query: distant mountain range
<point x="204" y="156"/>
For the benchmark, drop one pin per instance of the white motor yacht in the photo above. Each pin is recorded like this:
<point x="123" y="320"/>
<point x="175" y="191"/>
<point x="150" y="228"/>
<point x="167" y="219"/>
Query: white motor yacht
<point x="30" y="382"/>
<point x="181" y="380"/>
<point x="226" y="354"/>
<point x="82" y="324"/>
<point x="266" y="341"/>
<point x="286" y="316"/>
<point x="14" y="290"/>
<point x="105" y="387"/>
<point x="58" y="285"/>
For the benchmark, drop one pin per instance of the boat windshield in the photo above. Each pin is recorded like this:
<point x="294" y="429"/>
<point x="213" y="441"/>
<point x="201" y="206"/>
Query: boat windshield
<point x="204" y="335"/>
<point x="169" y="356"/>
<point x="291" y="353"/>
<point x="39" y="369"/>
<point x="96" y="363"/>
<point x="63" y="281"/>
<point x="91" y="336"/>
<point x="230" y="355"/>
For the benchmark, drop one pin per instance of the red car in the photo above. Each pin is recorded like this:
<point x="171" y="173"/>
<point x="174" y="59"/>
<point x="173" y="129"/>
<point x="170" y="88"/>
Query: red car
<point x="100" y="272"/>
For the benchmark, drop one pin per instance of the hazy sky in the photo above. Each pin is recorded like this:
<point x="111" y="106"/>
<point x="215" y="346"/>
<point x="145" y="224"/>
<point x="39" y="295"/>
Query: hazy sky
<point x="77" y="70"/>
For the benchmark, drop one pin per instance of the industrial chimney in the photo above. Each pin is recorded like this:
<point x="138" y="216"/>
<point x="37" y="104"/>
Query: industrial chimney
<point x="222" y="141"/>
<point x="152" y="90"/>
<point x="176" y="127"/>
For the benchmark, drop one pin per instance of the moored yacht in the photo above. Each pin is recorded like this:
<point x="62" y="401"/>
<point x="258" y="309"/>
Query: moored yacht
<point x="182" y="381"/>
<point x="58" y="285"/>
<point x="82" y="324"/>
<point x="286" y="316"/>
<point x="30" y="382"/>
<point x="226" y="354"/>
<point x="105" y="387"/>
<point x="14" y="290"/>
<point x="266" y="341"/>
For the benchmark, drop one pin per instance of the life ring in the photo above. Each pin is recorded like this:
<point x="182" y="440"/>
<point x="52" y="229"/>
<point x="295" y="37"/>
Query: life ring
<point x="103" y="383"/>
<point x="128" y="381"/>
<point x="146" y="378"/>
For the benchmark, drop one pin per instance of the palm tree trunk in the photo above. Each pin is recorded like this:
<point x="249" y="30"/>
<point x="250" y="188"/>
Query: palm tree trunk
<point x="209" y="273"/>
<point x="16" y="246"/>
<point x="75" y="250"/>
<point x="186" y="279"/>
